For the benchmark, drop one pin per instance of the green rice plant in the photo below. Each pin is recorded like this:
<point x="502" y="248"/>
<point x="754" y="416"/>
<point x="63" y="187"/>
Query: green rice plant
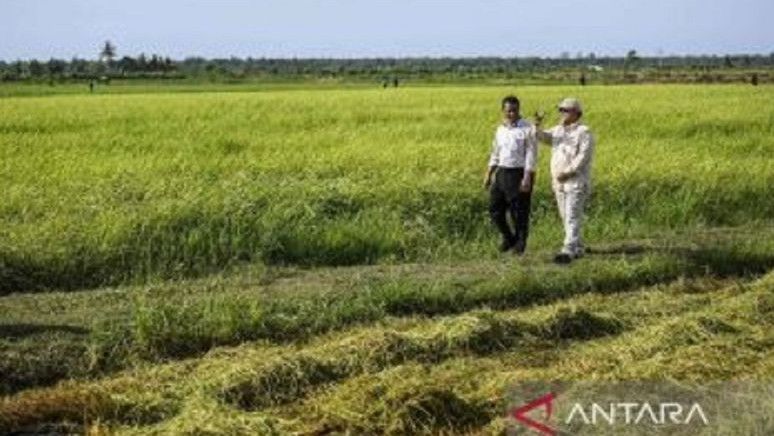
<point x="132" y="187"/>
<point x="161" y="330"/>
<point x="216" y="214"/>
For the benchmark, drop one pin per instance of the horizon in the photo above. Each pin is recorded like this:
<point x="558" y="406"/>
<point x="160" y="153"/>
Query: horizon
<point x="245" y="58"/>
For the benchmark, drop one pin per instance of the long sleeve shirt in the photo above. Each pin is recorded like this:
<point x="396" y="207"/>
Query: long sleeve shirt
<point x="514" y="146"/>
<point x="572" y="152"/>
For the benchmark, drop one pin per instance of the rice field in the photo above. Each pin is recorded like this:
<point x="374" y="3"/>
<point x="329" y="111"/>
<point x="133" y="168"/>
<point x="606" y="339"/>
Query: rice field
<point x="313" y="261"/>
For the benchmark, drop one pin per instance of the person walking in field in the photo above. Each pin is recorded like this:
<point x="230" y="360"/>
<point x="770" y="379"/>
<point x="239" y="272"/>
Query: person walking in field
<point x="572" y="151"/>
<point x="510" y="175"/>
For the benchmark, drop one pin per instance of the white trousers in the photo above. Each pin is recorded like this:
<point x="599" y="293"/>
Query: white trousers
<point x="571" y="199"/>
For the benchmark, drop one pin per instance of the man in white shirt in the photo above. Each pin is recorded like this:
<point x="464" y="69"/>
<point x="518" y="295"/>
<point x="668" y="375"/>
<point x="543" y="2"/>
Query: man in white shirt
<point x="572" y="150"/>
<point x="512" y="163"/>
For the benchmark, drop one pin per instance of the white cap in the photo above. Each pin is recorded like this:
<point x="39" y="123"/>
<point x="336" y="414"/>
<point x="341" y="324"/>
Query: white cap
<point x="571" y="103"/>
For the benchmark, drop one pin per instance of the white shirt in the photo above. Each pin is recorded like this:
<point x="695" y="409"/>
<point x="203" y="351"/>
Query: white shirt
<point x="514" y="146"/>
<point x="572" y="150"/>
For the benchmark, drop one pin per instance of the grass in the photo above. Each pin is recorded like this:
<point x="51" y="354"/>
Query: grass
<point x="113" y="189"/>
<point x="174" y="330"/>
<point x="92" y="333"/>
<point x="320" y="261"/>
<point x="422" y="374"/>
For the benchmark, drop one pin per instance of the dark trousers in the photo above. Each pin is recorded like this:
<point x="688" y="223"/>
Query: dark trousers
<point x="504" y="197"/>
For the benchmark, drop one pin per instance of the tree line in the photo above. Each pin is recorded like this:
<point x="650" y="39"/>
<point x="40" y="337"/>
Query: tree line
<point x="109" y="65"/>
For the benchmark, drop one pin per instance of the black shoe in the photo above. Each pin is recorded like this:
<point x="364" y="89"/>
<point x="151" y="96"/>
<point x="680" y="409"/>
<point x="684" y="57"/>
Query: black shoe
<point x="506" y="245"/>
<point x="519" y="246"/>
<point x="562" y="259"/>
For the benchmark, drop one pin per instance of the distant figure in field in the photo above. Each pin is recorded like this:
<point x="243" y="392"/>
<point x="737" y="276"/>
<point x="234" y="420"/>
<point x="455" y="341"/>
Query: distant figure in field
<point x="583" y="79"/>
<point x="91" y="86"/>
<point x="754" y="79"/>
<point x="395" y="82"/>
<point x="512" y="162"/>
<point x="572" y="150"/>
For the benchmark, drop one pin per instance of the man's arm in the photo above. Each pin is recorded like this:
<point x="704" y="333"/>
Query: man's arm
<point x="543" y="136"/>
<point x="530" y="163"/>
<point x="540" y="134"/>
<point x="488" y="177"/>
<point x="493" y="161"/>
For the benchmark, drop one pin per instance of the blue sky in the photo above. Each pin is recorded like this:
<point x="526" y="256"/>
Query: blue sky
<point x="351" y="28"/>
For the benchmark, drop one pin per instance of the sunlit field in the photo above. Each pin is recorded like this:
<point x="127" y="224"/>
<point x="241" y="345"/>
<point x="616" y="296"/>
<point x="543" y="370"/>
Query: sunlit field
<point x="321" y="260"/>
<point x="105" y="189"/>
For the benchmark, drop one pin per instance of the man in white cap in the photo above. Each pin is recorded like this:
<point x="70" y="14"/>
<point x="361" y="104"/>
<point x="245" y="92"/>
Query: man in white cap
<point x="572" y="150"/>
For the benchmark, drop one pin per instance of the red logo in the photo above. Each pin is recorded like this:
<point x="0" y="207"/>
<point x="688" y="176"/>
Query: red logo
<point x="546" y="401"/>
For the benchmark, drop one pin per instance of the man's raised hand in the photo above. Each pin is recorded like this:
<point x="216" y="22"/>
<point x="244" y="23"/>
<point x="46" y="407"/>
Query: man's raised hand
<point x="539" y="115"/>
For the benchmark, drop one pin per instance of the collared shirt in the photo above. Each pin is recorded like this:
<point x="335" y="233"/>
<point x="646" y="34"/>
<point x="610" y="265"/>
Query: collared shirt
<point x="514" y="146"/>
<point x="572" y="151"/>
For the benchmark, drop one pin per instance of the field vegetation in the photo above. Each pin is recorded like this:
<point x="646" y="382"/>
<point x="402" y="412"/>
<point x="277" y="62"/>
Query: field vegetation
<point x="316" y="261"/>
